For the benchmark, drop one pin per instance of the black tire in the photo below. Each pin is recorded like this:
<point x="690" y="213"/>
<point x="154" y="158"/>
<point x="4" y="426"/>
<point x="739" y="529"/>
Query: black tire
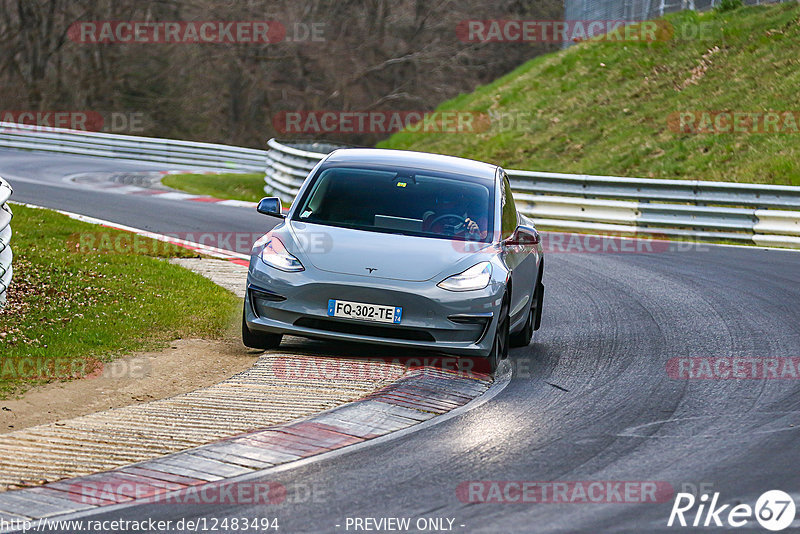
<point x="524" y="336"/>
<point x="537" y="322"/>
<point x="532" y="322"/>
<point x="499" y="349"/>
<point x="259" y="340"/>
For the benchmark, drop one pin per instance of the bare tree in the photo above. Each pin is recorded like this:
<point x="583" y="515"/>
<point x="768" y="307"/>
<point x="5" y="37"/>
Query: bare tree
<point x="376" y="55"/>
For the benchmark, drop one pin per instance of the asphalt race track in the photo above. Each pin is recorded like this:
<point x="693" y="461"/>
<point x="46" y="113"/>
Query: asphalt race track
<point x="39" y="179"/>
<point x="589" y="400"/>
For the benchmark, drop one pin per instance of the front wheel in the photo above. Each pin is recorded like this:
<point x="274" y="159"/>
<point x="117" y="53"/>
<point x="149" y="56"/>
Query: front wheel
<point x="524" y="336"/>
<point x="259" y="340"/>
<point x="501" y="339"/>
<point x="533" y="321"/>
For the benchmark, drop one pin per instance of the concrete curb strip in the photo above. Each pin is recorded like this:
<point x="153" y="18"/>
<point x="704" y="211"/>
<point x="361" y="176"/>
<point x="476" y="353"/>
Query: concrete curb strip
<point x="276" y="389"/>
<point x="420" y="395"/>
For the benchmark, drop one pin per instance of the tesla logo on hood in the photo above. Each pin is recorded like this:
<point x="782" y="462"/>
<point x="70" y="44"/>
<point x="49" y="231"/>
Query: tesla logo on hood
<point x="371" y="269"/>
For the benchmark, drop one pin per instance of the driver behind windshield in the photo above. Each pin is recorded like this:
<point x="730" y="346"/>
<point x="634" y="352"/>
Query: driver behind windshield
<point x="453" y="213"/>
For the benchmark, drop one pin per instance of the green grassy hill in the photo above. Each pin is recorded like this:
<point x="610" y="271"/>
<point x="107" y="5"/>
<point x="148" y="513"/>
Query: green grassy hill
<point x="605" y="107"/>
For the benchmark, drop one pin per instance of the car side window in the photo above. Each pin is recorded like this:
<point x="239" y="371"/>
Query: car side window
<point x="509" y="210"/>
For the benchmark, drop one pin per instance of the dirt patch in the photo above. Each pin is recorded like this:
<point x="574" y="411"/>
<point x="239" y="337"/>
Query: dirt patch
<point x="699" y="72"/>
<point x="186" y="365"/>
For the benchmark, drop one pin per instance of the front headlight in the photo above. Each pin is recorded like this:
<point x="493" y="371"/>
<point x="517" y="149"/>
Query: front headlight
<point x="274" y="254"/>
<point x="476" y="277"/>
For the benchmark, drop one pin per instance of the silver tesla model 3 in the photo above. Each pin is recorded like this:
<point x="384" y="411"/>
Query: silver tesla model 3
<point x="398" y="248"/>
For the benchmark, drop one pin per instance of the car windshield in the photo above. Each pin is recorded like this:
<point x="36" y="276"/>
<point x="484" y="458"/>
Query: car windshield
<point x="400" y="201"/>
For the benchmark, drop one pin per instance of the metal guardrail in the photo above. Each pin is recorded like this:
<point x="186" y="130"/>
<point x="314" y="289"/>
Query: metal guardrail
<point x="289" y="164"/>
<point x="129" y="147"/>
<point x="748" y="213"/>
<point x="6" y="271"/>
<point x="287" y="167"/>
<point x="758" y="214"/>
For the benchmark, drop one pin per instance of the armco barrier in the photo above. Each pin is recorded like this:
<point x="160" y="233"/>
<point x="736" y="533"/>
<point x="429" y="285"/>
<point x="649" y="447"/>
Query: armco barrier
<point x="747" y="213"/>
<point x="766" y="215"/>
<point x="5" y="238"/>
<point x="128" y="147"/>
<point x="289" y="164"/>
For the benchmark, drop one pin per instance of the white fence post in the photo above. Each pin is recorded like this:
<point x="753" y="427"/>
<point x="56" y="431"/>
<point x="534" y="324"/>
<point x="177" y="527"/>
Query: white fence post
<point x="6" y="271"/>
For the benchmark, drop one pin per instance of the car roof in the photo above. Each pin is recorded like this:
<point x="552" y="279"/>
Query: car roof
<point x="416" y="160"/>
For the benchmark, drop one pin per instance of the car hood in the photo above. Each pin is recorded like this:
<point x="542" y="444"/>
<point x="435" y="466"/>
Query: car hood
<point x="392" y="256"/>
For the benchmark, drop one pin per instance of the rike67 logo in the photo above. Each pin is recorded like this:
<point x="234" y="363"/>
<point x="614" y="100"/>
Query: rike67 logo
<point x="774" y="510"/>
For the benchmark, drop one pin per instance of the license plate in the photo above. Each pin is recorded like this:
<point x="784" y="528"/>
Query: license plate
<point x="367" y="312"/>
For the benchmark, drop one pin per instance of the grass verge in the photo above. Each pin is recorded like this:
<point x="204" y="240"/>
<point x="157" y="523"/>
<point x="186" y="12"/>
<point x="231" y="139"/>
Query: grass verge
<point x="83" y="294"/>
<point x="610" y="108"/>
<point x="236" y="186"/>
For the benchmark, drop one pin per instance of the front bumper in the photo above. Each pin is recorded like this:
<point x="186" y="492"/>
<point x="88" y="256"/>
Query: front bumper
<point x="458" y="323"/>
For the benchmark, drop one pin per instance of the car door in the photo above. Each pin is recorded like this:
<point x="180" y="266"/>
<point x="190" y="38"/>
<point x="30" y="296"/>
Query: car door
<point x="519" y="243"/>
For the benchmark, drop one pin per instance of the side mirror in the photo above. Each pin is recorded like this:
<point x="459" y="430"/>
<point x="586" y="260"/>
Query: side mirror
<point x="529" y="235"/>
<point x="522" y="238"/>
<point x="270" y="206"/>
